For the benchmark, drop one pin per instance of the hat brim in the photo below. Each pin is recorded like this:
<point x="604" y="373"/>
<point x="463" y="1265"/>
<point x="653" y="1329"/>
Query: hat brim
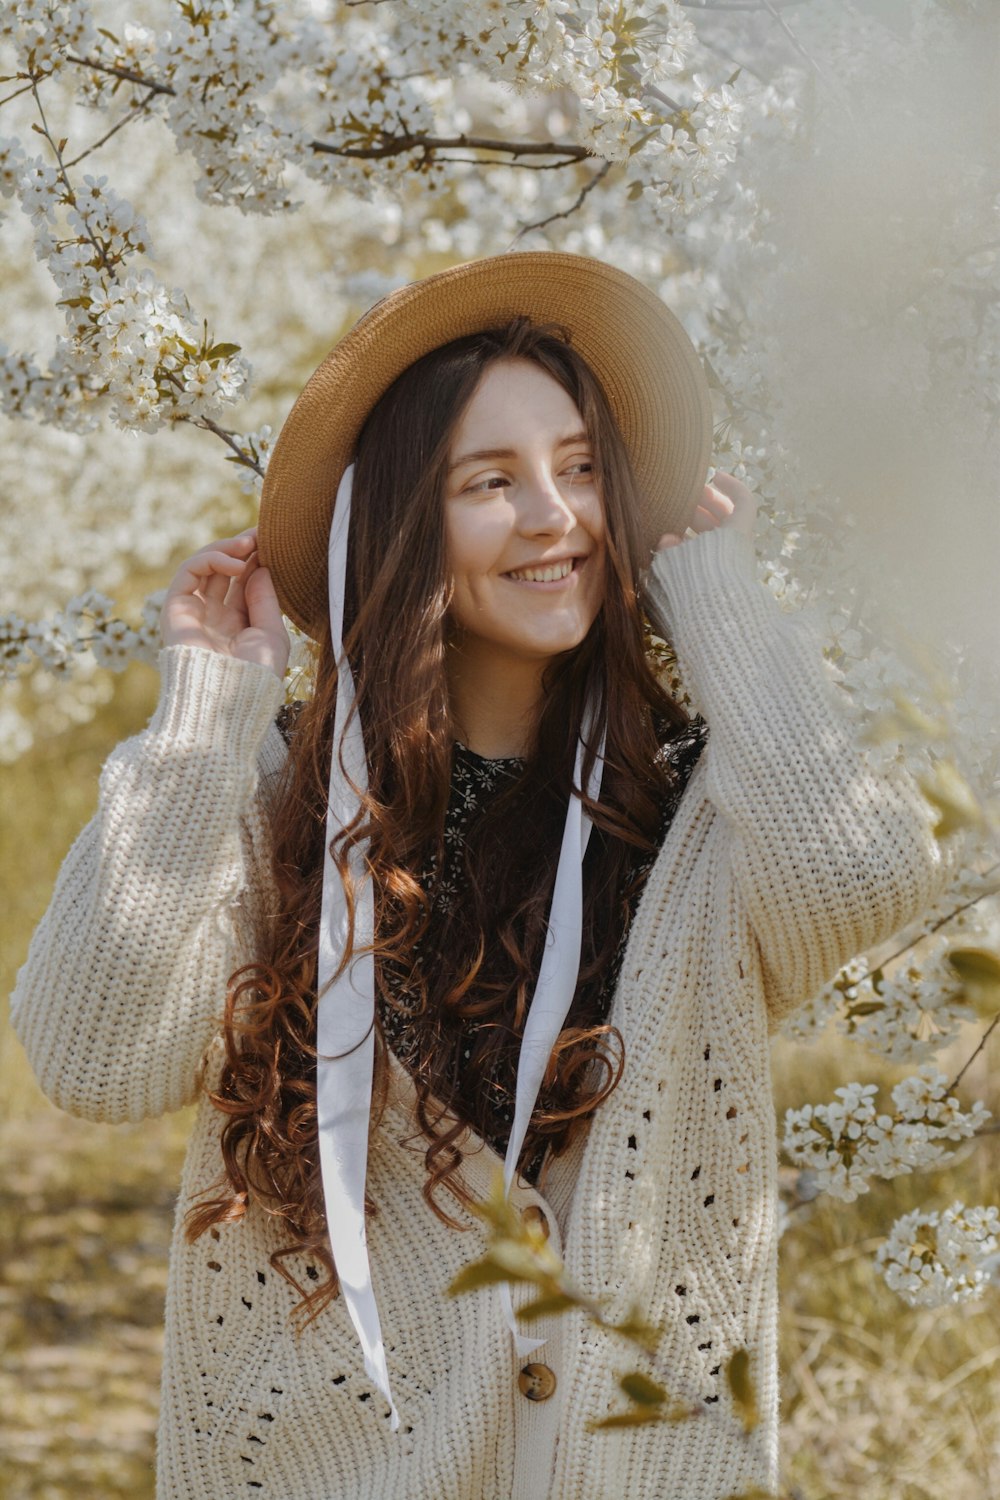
<point x="647" y="365"/>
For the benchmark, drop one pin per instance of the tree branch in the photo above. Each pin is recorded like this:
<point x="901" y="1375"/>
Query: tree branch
<point x="88" y="232"/>
<point x="392" y="145"/>
<point x="935" y="927"/>
<point x="588" y="187"/>
<point x="227" y="437"/>
<point x="138" y="110"/>
<point x="396" y="145"/>
<point x="17" y="92"/>
<point x="970" y="1060"/>
<point x="128" y="74"/>
<point x="776" y="15"/>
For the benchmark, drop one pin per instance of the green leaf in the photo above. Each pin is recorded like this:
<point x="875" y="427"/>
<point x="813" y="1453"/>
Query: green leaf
<point x="541" y="1307"/>
<point x="222" y="351"/>
<point x="641" y="1389"/>
<point x="635" y="191"/>
<point x="637" y="1330"/>
<point x="471" y="1277"/>
<point x="979" y="971"/>
<point x="639" y="1418"/>
<point x="975" y="966"/>
<point x="866" y="1008"/>
<point x="742" y="1389"/>
<point x="947" y="790"/>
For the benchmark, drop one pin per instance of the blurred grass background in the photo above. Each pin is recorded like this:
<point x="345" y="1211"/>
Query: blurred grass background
<point x="878" y="1400"/>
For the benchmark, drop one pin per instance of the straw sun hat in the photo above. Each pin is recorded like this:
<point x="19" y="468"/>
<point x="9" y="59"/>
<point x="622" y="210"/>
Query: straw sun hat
<point x="653" y="379"/>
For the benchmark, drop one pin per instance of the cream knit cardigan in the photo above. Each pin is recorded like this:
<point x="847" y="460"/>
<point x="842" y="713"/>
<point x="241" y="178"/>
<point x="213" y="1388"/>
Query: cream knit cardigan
<point x="788" y="855"/>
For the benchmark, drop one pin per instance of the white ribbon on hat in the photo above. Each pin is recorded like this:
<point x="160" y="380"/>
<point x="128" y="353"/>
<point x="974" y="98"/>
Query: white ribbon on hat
<point x="345" y="1021"/>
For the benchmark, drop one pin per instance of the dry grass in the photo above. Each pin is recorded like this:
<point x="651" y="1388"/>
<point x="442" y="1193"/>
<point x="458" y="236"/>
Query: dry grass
<point x="879" y="1401"/>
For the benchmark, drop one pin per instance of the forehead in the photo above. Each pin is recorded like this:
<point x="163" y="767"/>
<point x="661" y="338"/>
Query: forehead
<point x="518" y="394"/>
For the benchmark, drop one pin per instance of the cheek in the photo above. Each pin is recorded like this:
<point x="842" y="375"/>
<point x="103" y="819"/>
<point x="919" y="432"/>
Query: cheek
<point x="594" y="519"/>
<point x="473" y="544"/>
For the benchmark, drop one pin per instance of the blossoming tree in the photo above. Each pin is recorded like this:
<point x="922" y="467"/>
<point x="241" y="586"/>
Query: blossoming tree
<point x="275" y="158"/>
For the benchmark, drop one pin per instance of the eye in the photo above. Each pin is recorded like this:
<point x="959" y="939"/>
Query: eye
<point x="585" y="465"/>
<point x="481" y="484"/>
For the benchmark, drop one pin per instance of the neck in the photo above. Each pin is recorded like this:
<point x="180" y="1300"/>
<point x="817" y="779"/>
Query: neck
<point x="494" y="699"/>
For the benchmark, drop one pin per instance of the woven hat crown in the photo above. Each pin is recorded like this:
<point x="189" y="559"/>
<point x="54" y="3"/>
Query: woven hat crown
<point x="637" y="348"/>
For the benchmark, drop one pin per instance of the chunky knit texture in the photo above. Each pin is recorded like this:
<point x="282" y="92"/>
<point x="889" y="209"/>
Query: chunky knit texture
<point x="788" y="855"/>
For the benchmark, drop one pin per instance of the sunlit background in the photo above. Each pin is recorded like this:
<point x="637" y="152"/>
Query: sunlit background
<point x="840" y="274"/>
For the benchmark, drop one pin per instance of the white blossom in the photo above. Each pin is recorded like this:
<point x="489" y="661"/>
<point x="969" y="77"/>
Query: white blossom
<point x="848" y="1141"/>
<point x="934" y="1258"/>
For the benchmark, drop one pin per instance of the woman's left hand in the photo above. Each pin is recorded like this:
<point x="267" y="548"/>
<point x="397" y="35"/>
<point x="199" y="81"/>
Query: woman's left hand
<point x="724" y="502"/>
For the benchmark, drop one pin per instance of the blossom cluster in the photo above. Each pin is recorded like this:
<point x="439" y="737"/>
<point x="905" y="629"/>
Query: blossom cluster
<point x="931" y="1259"/>
<point x="133" y="347"/>
<point x="617" y="64"/>
<point x="911" y="1012"/>
<point x="88" y="623"/>
<point x="849" y="1141"/>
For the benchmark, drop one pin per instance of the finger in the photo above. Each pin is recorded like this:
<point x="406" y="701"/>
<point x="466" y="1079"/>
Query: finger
<point x="704" y="519"/>
<point x="219" y="588"/>
<point x="716" y="502"/>
<point x="669" y="539"/>
<point x="235" y="597"/>
<point x="263" y="609"/>
<point x="729" y="485"/>
<point x="195" y="574"/>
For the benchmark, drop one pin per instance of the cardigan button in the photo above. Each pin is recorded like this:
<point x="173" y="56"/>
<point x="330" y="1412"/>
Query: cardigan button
<point x="537" y="1382"/>
<point x="534" y="1218"/>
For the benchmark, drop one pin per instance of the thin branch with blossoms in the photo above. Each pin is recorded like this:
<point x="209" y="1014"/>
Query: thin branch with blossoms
<point x="391" y="145"/>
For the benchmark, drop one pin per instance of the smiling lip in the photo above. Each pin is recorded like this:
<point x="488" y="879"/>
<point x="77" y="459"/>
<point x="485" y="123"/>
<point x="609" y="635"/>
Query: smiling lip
<point x="556" y="565"/>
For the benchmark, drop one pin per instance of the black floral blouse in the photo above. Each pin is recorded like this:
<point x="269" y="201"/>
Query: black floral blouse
<point x="475" y="781"/>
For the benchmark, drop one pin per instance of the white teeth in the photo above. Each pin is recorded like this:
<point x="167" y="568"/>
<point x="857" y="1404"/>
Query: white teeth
<point x="544" y="575"/>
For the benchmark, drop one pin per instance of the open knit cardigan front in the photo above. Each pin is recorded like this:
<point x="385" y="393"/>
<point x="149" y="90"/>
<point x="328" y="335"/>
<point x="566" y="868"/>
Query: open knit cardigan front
<point x="788" y="854"/>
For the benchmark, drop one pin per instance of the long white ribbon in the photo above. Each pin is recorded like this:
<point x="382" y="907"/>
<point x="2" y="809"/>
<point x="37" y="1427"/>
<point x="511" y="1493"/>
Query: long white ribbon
<point x="345" y="1039"/>
<point x="555" y="986"/>
<point x="345" y="1035"/>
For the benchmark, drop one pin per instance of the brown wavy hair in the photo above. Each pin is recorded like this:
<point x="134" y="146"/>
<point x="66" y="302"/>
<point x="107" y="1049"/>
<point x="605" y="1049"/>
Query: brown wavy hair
<point x="477" y="961"/>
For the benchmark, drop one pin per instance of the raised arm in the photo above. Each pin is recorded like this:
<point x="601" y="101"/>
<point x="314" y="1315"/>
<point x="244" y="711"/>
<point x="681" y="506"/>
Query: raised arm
<point x="126" y="974"/>
<point x="154" y="906"/>
<point x="830" y="855"/>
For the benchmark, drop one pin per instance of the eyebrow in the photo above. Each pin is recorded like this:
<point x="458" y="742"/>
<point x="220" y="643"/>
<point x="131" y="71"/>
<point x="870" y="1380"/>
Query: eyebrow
<point x="467" y="458"/>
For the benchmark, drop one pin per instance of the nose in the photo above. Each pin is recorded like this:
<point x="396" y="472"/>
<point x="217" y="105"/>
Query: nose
<point x="545" y="509"/>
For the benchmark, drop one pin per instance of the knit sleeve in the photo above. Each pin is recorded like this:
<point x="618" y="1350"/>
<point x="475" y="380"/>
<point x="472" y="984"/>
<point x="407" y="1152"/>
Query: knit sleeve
<point x="126" y="975"/>
<point x="830" y="855"/>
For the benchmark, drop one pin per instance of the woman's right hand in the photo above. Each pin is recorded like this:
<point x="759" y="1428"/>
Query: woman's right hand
<point x="222" y="600"/>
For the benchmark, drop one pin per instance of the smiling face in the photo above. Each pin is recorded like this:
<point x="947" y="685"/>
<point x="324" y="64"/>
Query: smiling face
<point x="524" y="524"/>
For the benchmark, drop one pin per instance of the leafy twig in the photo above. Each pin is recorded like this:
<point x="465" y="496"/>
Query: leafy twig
<point x="518" y="1252"/>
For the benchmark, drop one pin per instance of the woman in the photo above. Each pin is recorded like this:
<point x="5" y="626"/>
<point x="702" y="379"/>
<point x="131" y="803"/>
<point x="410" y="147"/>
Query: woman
<point x="500" y="447"/>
